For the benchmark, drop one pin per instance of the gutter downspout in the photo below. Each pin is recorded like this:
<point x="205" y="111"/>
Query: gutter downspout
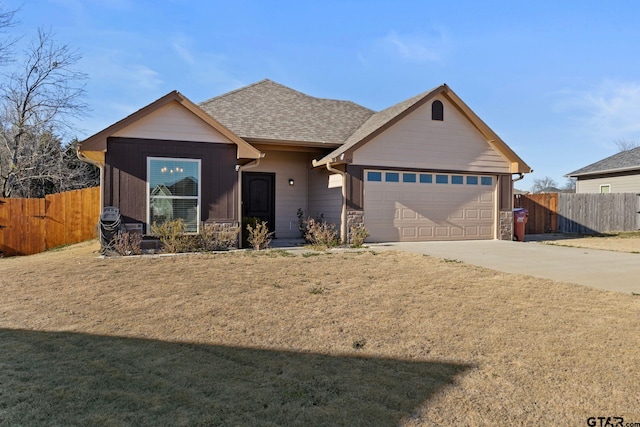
<point x="240" y="169"/>
<point x="100" y="166"/>
<point x="518" y="178"/>
<point x="343" y="214"/>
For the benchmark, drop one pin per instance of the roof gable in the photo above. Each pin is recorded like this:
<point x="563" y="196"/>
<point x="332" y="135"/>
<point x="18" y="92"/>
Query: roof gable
<point x="95" y="146"/>
<point x="380" y="122"/>
<point x="625" y="160"/>
<point x="418" y="141"/>
<point x="268" y="111"/>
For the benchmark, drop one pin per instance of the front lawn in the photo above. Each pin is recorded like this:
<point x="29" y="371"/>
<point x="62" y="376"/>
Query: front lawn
<point x="358" y="338"/>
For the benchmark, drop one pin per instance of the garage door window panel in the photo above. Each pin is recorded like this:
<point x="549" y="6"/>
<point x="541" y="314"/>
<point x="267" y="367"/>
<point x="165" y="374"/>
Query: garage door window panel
<point x="374" y="176"/>
<point x="426" y="178"/>
<point x="442" y="179"/>
<point x="392" y="177"/>
<point x="409" y="177"/>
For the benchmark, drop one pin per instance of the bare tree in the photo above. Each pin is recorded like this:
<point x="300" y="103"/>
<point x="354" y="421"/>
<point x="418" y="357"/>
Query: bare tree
<point x="7" y="20"/>
<point x="37" y="102"/>
<point x="627" y="144"/>
<point x="569" y="186"/>
<point x="541" y="184"/>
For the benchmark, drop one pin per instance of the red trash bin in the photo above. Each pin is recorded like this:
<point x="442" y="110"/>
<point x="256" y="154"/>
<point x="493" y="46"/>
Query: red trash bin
<point x="520" y="216"/>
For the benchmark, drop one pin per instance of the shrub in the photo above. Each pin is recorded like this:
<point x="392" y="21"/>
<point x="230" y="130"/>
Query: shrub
<point x="320" y="234"/>
<point x="303" y="223"/>
<point x="247" y="221"/>
<point x="172" y="236"/>
<point x="358" y="234"/>
<point x="217" y="237"/>
<point x="126" y="243"/>
<point x="259" y="236"/>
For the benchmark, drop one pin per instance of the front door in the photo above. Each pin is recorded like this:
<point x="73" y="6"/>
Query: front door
<point x="259" y="196"/>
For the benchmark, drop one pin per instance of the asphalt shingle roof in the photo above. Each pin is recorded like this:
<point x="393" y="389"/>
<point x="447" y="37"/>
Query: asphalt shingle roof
<point x="629" y="159"/>
<point x="270" y="111"/>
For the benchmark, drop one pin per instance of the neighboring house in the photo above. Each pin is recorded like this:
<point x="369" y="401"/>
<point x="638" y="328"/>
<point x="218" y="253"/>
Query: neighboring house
<point x="425" y="169"/>
<point x="619" y="173"/>
<point x="547" y="190"/>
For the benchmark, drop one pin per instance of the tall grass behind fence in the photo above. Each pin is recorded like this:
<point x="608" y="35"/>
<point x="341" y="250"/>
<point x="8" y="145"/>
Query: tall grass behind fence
<point x="30" y="226"/>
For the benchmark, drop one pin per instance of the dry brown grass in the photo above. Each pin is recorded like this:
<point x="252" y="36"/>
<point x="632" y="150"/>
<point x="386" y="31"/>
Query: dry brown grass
<point x="621" y="242"/>
<point x="334" y="339"/>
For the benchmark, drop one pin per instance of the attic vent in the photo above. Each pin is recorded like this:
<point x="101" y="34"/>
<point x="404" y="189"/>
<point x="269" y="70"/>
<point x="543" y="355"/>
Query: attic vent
<point x="437" y="111"/>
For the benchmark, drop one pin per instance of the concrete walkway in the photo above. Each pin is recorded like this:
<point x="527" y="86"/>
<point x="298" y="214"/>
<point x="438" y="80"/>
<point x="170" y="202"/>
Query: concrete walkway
<point x="613" y="271"/>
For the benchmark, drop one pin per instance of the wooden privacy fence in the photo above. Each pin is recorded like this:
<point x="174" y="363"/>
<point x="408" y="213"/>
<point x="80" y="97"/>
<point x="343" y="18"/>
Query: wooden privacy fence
<point x="598" y="213"/>
<point x="543" y="212"/>
<point x="586" y="213"/>
<point x="30" y="226"/>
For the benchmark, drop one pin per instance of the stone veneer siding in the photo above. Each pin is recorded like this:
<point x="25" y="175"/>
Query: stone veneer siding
<point x="355" y="218"/>
<point x="506" y="225"/>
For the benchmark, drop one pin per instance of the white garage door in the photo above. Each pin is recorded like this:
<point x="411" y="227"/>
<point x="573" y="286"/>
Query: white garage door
<point x="410" y="206"/>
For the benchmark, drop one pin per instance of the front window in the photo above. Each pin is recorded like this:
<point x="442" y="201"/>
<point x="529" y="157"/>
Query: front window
<point x="174" y="191"/>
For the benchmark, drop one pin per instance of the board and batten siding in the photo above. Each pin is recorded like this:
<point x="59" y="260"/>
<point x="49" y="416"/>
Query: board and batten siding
<point x="125" y="176"/>
<point x="172" y="122"/>
<point x="323" y="200"/>
<point x="622" y="183"/>
<point x="287" y="165"/>
<point x="416" y="141"/>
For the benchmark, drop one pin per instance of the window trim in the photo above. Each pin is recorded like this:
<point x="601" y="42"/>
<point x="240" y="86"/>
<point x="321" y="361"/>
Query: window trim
<point x="198" y="198"/>
<point x="607" y="186"/>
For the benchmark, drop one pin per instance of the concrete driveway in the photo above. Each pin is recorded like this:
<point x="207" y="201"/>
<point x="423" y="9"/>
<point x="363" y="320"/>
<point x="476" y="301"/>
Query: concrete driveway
<point x="613" y="271"/>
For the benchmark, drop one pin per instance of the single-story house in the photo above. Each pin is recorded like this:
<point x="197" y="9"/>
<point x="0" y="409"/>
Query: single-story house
<point x="619" y="173"/>
<point x="427" y="168"/>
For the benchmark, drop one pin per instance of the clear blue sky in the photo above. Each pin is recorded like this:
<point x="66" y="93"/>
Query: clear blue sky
<point x="558" y="81"/>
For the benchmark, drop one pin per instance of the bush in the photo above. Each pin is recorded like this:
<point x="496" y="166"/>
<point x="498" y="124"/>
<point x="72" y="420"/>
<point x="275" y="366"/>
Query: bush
<point x="172" y="236"/>
<point x="259" y="236"/>
<point x="126" y="243"/>
<point x="357" y="235"/>
<point x="246" y="222"/>
<point x="303" y="223"/>
<point x="217" y="237"/>
<point x="321" y="235"/>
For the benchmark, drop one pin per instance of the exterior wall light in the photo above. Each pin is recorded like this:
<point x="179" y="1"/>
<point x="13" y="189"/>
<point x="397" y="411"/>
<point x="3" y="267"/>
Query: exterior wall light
<point x="291" y="182"/>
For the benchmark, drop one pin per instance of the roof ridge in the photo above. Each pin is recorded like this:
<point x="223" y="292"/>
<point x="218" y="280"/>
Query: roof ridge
<point x="236" y="90"/>
<point x="263" y="81"/>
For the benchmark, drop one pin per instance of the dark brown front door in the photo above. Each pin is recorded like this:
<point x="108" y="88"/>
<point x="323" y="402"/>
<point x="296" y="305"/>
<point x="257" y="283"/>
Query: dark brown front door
<point x="259" y="196"/>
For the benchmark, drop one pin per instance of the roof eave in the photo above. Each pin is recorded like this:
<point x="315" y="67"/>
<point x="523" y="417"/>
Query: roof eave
<point x="602" y="171"/>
